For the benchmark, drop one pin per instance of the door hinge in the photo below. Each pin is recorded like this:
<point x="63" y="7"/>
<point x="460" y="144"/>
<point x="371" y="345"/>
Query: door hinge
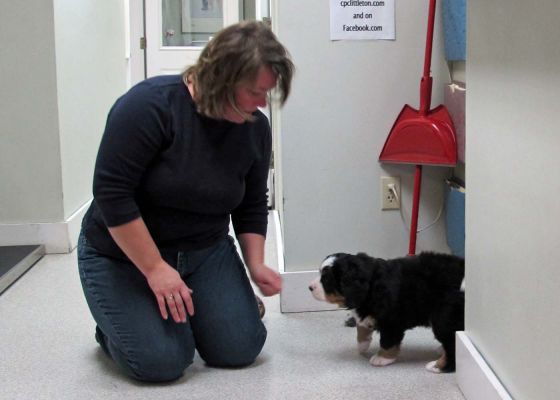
<point x="142" y="43"/>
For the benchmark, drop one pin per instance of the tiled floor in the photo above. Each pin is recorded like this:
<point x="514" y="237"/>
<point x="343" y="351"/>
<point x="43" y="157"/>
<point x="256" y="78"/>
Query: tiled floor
<point x="48" y="352"/>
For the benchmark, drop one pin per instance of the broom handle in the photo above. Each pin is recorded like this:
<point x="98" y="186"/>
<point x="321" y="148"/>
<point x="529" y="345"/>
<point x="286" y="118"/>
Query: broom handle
<point x="429" y="38"/>
<point x="426" y="83"/>
<point x="415" y="207"/>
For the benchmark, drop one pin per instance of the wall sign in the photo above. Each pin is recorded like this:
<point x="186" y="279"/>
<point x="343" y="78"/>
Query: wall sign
<point x="362" y="19"/>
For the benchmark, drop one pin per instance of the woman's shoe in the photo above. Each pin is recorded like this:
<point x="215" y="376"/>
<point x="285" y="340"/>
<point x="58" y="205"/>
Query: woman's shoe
<point x="260" y="303"/>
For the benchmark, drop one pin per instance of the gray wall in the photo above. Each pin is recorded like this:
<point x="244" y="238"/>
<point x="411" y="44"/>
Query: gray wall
<point x="513" y="213"/>
<point x="30" y="180"/>
<point x="63" y="64"/>
<point x="346" y="97"/>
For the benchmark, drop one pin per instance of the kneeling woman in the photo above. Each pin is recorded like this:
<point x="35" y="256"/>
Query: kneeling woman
<point x="180" y="155"/>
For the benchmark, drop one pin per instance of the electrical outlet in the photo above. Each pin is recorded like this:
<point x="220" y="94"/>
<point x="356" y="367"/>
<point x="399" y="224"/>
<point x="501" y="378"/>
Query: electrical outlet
<point x="390" y="200"/>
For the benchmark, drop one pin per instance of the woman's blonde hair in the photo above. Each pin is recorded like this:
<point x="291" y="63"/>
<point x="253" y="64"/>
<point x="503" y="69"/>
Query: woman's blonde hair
<point x="234" y="56"/>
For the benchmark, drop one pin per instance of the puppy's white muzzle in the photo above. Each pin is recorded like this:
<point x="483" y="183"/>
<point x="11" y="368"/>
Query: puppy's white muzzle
<point x="317" y="289"/>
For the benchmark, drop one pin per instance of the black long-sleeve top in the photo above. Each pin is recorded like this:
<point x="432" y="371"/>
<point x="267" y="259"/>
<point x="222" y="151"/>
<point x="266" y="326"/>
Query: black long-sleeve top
<point x="183" y="173"/>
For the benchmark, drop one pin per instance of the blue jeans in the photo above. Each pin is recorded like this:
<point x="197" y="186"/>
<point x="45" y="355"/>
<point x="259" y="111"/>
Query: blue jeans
<point x="226" y="329"/>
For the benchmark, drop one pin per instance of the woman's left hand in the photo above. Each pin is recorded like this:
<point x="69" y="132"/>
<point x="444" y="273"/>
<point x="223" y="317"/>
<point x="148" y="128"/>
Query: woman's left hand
<point x="268" y="280"/>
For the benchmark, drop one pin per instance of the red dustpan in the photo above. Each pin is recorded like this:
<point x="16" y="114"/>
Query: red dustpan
<point x="422" y="137"/>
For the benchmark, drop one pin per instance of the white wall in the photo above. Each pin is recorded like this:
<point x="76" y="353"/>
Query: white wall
<point x="30" y="181"/>
<point x="63" y="65"/>
<point x="346" y="97"/>
<point x="91" y="72"/>
<point x="513" y="212"/>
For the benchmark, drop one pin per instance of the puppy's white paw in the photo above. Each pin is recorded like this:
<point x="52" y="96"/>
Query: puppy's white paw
<point x="432" y="367"/>
<point x="363" y="347"/>
<point x="379" y="361"/>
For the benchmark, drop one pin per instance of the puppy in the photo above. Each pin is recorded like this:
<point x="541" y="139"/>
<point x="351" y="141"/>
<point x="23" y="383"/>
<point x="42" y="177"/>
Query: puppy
<point x="392" y="296"/>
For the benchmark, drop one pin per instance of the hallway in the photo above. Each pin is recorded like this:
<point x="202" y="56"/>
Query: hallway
<point x="48" y="352"/>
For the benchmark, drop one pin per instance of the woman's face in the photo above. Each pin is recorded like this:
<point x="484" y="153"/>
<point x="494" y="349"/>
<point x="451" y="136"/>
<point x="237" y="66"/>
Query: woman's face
<point x="252" y="95"/>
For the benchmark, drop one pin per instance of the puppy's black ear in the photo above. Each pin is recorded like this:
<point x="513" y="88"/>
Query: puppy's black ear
<point x="355" y="282"/>
<point x="379" y="296"/>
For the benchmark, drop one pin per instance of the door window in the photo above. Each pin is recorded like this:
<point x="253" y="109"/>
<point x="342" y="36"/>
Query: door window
<point x="190" y="23"/>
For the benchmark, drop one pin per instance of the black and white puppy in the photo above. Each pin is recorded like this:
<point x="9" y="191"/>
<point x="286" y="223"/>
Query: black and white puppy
<point x="392" y="296"/>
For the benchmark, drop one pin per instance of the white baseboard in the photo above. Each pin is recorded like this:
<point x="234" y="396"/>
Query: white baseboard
<point x="474" y="377"/>
<point x="295" y="296"/>
<point x="56" y="237"/>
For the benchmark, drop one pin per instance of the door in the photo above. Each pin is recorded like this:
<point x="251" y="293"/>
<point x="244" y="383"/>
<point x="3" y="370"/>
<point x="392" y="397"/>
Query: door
<point x="177" y="30"/>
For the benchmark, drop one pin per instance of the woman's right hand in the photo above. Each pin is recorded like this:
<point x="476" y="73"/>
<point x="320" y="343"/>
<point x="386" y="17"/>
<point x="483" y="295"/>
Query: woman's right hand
<point x="171" y="292"/>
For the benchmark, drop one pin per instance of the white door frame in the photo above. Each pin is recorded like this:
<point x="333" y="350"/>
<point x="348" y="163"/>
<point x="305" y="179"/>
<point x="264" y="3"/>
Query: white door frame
<point x="275" y="113"/>
<point x="136" y="55"/>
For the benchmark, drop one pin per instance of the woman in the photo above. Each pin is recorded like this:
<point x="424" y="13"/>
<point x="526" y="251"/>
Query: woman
<point x="180" y="155"/>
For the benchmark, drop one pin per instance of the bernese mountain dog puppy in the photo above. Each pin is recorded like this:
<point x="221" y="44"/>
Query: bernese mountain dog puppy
<point x="392" y="296"/>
